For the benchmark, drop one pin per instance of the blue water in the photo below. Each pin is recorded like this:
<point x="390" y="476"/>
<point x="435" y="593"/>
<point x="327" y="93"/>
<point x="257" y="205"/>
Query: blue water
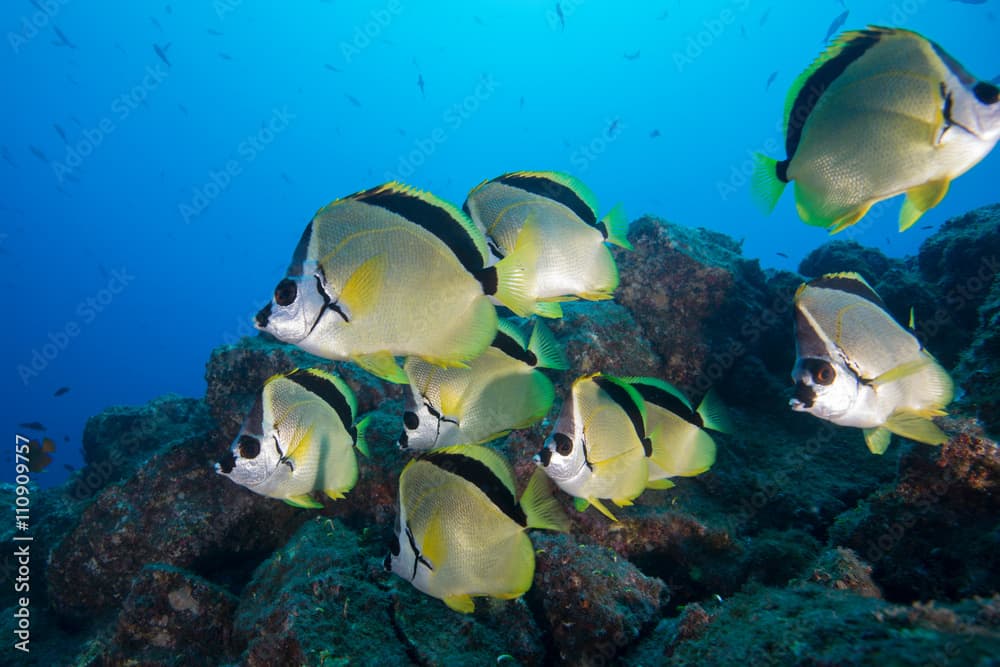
<point x="163" y="224"/>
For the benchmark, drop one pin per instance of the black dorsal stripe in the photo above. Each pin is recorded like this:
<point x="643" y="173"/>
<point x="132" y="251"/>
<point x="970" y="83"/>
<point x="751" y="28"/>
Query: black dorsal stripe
<point x="435" y="219"/>
<point x="479" y="475"/>
<point x="301" y="251"/>
<point x="953" y="65"/>
<point x="620" y="396"/>
<point x="327" y="391"/>
<point x="850" y="286"/>
<point x="664" y="399"/>
<point x="815" y="86"/>
<point x="558" y="192"/>
<point x="513" y="349"/>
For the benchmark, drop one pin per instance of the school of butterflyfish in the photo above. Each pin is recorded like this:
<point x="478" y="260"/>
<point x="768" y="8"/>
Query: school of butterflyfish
<point x="394" y="273"/>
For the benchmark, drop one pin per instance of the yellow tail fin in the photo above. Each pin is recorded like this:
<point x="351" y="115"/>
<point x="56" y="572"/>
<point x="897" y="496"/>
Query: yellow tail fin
<point x="540" y="507"/>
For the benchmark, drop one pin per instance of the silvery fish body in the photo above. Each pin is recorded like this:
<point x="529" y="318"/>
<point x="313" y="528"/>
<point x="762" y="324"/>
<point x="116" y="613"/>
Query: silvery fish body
<point x="856" y="366"/>
<point x="299" y="438"/>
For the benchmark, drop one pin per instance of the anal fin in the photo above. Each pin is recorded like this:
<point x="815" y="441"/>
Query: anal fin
<point x="383" y="365"/>
<point x="921" y="199"/>
<point x="305" y="501"/>
<point x="599" y="506"/>
<point x="916" y="427"/>
<point x="849" y="218"/>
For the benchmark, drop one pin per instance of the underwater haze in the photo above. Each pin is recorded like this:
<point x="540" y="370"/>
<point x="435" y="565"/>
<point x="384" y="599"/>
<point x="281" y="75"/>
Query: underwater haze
<point x="160" y="160"/>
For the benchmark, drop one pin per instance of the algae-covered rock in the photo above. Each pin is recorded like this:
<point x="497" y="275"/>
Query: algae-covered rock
<point x="808" y="624"/>
<point x="960" y="263"/>
<point x="837" y="256"/>
<point x="842" y="569"/>
<point x="323" y="599"/>
<point x="172" y="616"/>
<point x="117" y="441"/>
<point x="176" y="510"/>
<point x="978" y="372"/>
<point x="594" y="603"/>
<point x="703" y="307"/>
<point x="933" y="534"/>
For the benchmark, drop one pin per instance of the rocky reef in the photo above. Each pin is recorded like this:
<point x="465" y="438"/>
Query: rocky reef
<point x="797" y="547"/>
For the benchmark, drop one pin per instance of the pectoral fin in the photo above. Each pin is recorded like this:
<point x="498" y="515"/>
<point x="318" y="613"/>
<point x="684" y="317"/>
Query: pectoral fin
<point x="433" y="548"/>
<point x="660" y="484"/>
<point x="362" y="289"/>
<point x="921" y="199"/>
<point x="461" y="603"/>
<point x="899" y="372"/>
<point x="877" y="439"/>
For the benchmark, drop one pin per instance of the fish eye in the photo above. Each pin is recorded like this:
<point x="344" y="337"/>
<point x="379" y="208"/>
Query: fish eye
<point x="563" y="444"/>
<point x="285" y="292"/>
<point x="410" y="420"/>
<point x="249" y="447"/>
<point x="825" y="374"/>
